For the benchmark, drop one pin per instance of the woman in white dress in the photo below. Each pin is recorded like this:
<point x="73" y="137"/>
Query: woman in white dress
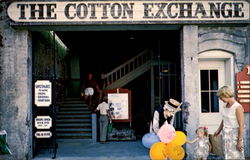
<point x="232" y="125"/>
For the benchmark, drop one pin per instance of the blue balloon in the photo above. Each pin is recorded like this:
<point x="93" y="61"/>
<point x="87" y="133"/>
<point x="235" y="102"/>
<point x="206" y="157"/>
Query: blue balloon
<point x="149" y="139"/>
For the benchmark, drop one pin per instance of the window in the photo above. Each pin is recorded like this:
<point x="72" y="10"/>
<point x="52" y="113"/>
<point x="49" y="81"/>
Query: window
<point x="209" y="88"/>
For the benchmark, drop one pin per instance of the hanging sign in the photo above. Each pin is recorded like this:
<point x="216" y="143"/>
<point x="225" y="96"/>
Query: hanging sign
<point x="243" y="87"/>
<point x="43" y="94"/>
<point x="43" y="134"/>
<point x="43" y="122"/>
<point x="44" y="11"/>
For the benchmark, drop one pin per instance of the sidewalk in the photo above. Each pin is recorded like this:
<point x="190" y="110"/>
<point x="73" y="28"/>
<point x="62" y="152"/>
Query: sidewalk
<point x="88" y="150"/>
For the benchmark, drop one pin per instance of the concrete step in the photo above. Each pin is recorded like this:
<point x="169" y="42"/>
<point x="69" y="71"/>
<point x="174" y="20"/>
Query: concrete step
<point x="73" y="117"/>
<point x="72" y="113"/>
<point x="64" y="105"/>
<point x="73" y="109"/>
<point x="77" y="136"/>
<point x="88" y="125"/>
<point x="72" y="98"/>
<point x="74" y="121"/>
<point x="69" y="134"/>
<point x="73" y="130"/>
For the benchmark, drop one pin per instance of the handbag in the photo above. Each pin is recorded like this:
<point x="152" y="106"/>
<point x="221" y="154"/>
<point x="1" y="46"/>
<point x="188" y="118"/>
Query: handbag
<point x="110" y="127"/>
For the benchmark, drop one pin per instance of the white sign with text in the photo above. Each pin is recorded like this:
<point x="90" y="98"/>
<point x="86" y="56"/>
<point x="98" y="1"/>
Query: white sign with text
<point x="43" y="122"/>
<point x="43" y="134"/>
<point x="43" y="94"/>
<point x="128" y="11"/>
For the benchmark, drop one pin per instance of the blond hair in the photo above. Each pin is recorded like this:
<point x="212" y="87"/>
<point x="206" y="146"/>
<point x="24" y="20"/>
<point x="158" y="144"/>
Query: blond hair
<point x="203" y="129"/>
<point x="225" y="92"/>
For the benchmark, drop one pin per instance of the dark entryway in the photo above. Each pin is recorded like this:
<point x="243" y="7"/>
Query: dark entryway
<point x="99" y="52"/>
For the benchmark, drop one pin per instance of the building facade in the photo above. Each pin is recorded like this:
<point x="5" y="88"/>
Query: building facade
<point x="214" y="47"/>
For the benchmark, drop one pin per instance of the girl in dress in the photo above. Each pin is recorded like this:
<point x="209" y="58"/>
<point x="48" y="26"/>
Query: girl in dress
<point x="203" y="146"/>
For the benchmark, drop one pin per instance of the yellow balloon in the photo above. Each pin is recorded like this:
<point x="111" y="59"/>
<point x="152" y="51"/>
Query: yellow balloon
<point x="179" y="139"/>
<point x="175" y="152"/>
<point x="158" y="151"/>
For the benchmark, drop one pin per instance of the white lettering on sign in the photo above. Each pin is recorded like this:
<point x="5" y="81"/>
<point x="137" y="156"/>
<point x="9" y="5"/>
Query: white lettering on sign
<point x="43" y="122"/>
<point x="43" y="94"/>
<point x="244" y="96"/>
<point x="245" y="86"/>
<point x="243" y="91"/>
<point x="128" y="11"/>
<point x="43" y="134"/>
<point x="244" y="82"/>
<point x="244" y="100"/>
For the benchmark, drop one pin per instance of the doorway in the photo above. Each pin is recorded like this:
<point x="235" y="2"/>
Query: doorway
<point x="215" y="71"/>
<point x="99" y="52"/>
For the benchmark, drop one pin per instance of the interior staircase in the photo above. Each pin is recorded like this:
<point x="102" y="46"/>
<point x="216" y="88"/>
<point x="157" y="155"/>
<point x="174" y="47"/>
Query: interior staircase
<point x="74" y="116"/>
<point x="74" y="120"/>
<point x="131" y="69"/>
<point x="128" y="71"/>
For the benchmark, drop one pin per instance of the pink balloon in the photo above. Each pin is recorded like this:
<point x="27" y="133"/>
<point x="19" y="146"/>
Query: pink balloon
<point x="166" y="133"/>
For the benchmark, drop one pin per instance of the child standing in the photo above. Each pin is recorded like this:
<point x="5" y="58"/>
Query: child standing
<point x="203" y="146"/>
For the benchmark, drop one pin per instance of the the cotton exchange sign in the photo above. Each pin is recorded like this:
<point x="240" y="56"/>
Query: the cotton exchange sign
<point x="128" y="11"/>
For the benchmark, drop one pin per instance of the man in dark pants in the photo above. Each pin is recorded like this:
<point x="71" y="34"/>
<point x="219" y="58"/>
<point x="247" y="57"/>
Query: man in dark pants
<point x="104" y="119"/>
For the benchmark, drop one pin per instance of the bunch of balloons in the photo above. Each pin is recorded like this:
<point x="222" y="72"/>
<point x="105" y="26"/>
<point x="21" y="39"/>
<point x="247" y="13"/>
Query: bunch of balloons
<point x="166" y="144"/>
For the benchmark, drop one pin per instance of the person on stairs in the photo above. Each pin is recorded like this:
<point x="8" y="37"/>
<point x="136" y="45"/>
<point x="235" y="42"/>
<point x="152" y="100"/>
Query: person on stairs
<point x="89" y="90"/>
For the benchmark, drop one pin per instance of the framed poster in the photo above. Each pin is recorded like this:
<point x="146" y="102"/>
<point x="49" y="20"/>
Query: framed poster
<point x="119" y="101"/>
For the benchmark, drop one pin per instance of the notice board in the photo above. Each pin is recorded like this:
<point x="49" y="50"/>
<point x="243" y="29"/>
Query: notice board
<point x="119" y="101"/>
<point x="243" y="87"/>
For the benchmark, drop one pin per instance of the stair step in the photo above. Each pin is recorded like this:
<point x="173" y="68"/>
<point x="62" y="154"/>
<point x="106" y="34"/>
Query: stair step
<point x="74" y="137"/>
<point x="73" y="105"/>
<point x="73" y="124"/>
<point x="68" y="121"/>
<point x="74" y="109"/>
<point x="72" y="98"/>
<point x="75" y="102"/>
<point x="80" y="127"/>
<point x="74" y="117"/>
<point x="74" y="120"/>
<point x="73" y="132"/>
<point x="74" y="113"/>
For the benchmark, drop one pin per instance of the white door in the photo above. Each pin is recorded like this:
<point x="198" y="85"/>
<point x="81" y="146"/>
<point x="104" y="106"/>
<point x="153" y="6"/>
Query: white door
<point x="212" y="77"/>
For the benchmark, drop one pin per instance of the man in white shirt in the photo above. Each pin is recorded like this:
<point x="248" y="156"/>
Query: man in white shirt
<point x="104" y="119"/>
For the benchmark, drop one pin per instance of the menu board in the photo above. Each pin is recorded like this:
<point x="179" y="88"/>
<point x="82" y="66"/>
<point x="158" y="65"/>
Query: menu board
<point x="118" y="103"/>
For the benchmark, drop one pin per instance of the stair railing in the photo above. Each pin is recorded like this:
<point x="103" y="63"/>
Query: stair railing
<point x="126" y="67"/>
